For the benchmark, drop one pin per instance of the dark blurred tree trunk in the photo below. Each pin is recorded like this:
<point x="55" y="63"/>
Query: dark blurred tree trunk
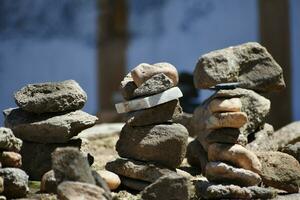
<point x="112" y="46"/>
<point x="275" y="36"/>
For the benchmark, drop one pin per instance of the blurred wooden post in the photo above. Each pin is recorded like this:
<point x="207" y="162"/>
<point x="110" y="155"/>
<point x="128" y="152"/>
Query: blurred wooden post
<point x="275" y="36"/>
<point x="112" y="46"/>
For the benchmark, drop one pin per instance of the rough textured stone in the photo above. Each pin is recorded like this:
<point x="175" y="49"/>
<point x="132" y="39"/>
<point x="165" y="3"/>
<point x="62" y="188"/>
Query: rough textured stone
<point x="15" y="182"/>
<point x="8" y="141"/>
<point x="154" y="85"/>
<point x="134" y="184"/>
<point x="113" y="180"/>
<point x="235" y="154"/>
<point x="149" y="102"/>
<point x="293" y="150"/>
<point x="145" y="71"/>
<point x="289" y="134"/>
<point x="226" y="120"/>
<point x="127" y="87"/>
<point x="10" y="159"/>
<point x="224" y="135"/>
<point x="249" y="63"/>
<point x="225" y="105"/>
<point x="164" y="144"/>
<point x="288" y="197"/>
<point x="69" y="165"/>
<point x="51" y="97"/>
<point x="155" y="115"/>
<point x="280" y="170"/>
<point x="48" y="183"/>
<point x="70" y="190"/>
<point x="47" y="128"/>
<point x="36" y="166"/>
<point x="208" y="190"/>
<point x="223" y="173"/>
<point x="185" y="119"/>
<point x="170" y="187"/>
<point x="254" y="105"/>
<point x="260" y="137"/>
<point x="196" y="155"/>
<point x="137" y="170"/>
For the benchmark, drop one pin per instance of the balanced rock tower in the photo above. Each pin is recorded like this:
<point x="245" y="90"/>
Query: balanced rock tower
<point x="232" y="116"/>
<point x="151" y="145"/>
<point x="48" y="117"/>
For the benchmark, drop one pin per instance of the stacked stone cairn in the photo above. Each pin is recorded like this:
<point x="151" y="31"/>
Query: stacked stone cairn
<point x="48" y="117"/>
<point x="13" y="181"/>
<point x="151" y="145"/>
<point x="228" y="120"/>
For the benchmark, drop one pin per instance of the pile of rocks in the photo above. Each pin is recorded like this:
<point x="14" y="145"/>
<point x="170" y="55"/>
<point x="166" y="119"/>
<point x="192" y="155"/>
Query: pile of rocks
<point x="231" y="116"/>
<point x="48" y="117"/>
<point x="151" y="144"/>
<point x="13" y="181"/>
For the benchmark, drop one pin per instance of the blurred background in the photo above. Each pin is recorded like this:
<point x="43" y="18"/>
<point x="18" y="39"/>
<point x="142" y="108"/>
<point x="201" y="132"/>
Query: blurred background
<point x="96" y="42"/>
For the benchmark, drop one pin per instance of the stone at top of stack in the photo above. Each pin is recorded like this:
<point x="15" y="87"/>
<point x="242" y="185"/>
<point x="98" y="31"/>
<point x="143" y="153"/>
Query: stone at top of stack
<point x="48" y="117"/>
<point x="151" y="144"/>
<point x="225" y="120"/>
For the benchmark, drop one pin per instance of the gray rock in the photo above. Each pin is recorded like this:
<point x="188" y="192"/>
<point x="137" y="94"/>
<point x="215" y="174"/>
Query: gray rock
<point x="288" y="197"/>
<point x="8" y="141"/>
<point x="260" y="137"/>
<point x="36" y="166"/>
<point x="293" y="150"/>
<point x="69" y="190"/>
<point x="249" y="63"/>
<point x="280" y="170"/>
<point x="127" y="87"/>
<point x="207" y="190"/>
<point x="48" y="183"/>
<point x="137" y="170"/>
<point x="69" y="164"/>
<point x="156" y="84"/>
<point x="223" y="173"/>
<point x="47" y="128"/>
<point x="51" y="97"/>
<point x="15" y="182"/>
<point x="170" y="187"/>
<point x="196" y="155"/>
<point x="185" y="119"/>
<point x="133" y="184"/>
<point x="224" y="135"/>
<point x="156" y="115"/>
<point x="164" y="144"/>
<point x="289" y="134"/>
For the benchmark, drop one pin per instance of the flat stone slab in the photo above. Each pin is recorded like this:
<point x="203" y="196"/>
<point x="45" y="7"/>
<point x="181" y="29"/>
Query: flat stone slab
<point x="47" y="128"/>
<point x="51" y="97"/>
<point x="149" y="102"/>
<point x="250" y="64"/>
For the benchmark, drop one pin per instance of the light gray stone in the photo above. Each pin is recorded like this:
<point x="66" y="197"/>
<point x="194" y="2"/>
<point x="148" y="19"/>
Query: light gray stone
<point x="69" y="165"/>
<point x="293" y="150"/>
<point x="249" y="63"/>
<point x="223" y="173"/>
<point x="8" y="141"/>
<point x="47" y="128"/>
<point x="288" y="134"/>
<point x="280" y="170"/>
<point x="51" y="97"/>
<point x="163" y="144"/>
<point x="15" y="182"/>
<point x="150" y="101"/>
<point x="169" y="187"/>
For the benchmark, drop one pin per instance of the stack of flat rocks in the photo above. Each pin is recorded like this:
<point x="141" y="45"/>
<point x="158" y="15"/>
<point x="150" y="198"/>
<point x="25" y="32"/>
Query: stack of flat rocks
<point x="13" y="181"/>
<point x="48" y="117"/>
<point x="151" y="145"/>
<point x="235" y="113"/>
